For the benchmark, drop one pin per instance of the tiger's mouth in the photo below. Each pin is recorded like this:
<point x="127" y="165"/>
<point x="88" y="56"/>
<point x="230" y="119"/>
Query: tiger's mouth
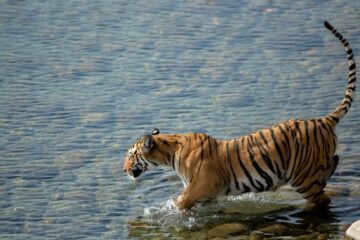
<point x="135" y="172"/>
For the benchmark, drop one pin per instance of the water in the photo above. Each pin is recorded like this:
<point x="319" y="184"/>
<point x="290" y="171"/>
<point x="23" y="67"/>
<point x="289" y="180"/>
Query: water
<point x="82" y="80"/>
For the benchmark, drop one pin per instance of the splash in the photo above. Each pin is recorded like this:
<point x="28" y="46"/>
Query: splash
<point x="167" y="215"/>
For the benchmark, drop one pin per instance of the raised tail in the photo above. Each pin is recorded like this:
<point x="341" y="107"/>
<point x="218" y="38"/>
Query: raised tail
<point x="343" y="108"/>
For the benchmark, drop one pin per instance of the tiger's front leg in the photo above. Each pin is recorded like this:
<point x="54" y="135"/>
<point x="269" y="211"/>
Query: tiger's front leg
<point x="197" y="191"/>
<point x="192" y="195"/>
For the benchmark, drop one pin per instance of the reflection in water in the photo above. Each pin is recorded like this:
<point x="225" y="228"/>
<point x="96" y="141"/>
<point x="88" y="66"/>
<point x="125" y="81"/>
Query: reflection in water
<point x="314" y="215"/>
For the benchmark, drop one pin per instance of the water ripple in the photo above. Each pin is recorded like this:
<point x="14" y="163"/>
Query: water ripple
<point x="80" y="81"/>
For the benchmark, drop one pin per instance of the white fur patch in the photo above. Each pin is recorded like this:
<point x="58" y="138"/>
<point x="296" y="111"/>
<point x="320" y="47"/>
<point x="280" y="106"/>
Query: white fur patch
<point x="131" y="177"/>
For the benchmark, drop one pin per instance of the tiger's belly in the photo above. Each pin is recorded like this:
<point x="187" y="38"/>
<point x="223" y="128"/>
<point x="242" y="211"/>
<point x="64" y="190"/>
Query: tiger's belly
<point x="242" y="185"/>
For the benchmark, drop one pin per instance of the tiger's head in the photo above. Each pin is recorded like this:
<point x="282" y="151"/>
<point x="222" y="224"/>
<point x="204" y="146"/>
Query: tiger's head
<point x="143" y="155"/>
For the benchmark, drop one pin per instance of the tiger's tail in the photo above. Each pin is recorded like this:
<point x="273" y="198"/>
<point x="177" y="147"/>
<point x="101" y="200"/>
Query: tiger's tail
<point x="343" y="108"/>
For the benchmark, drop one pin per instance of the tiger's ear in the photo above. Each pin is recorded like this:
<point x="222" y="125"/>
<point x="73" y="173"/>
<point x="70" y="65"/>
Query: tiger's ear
<point x="148" y="143"/>
<point x="155" y="131"/>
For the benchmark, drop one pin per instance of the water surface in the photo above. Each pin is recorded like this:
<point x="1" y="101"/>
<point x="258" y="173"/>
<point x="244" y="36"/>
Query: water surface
<point x="80" y="81"/>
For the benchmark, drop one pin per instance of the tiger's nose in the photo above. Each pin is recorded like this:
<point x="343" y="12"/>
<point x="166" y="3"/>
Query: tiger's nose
<point x="125" y="169"/>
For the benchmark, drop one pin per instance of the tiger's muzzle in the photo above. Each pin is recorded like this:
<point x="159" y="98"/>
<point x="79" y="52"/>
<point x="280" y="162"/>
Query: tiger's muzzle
<point x="135" y="171"/>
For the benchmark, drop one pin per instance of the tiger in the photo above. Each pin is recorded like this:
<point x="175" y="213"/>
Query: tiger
<point x="297" y="152"/>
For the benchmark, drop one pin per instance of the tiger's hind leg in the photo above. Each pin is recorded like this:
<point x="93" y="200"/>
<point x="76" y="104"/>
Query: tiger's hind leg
<point x="314" y="192"/>
<point x="333" y="165"/>
<point x="318" y="198"/>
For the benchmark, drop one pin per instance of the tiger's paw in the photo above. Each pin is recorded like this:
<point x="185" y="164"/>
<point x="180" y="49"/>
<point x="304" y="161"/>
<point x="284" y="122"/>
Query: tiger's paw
<point x="183" y="203"/>
<point x="321" y="200"/>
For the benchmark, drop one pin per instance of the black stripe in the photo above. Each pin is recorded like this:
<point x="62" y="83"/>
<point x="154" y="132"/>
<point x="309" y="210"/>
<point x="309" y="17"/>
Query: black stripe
<point x="309" y="146"/>
<point x="352" y="74"/>
<point x="265" y="156"/>
<point x="231" y="167"/>
<point x="317" y="145"/>
<point x="335" y="119"/>
<point x="262" y="173"/>
<point x="325" y="147"/>
<point x="143" y="160"/>
<point x="226" y="177"/>
<point x="278" y="149"/>
<point x="180" y="155"/>
<point x="246" y="188"/>
<point x="286" y="144"/>
<point x="278" y="171"/>
<point x="352" y="88"/>
<point x="298" y="153"/>
<point x="223" y="179"/>
<point x="308" y="186"/>
<point x="262" y="188"/>
<point x="329" y="130"/>
<point x="347" y="102"/>
<point x="244" y="168"/>
<point x="292" y="154"/>
<point x="192" y="176"/>
<point x="349" y="97"/>
<point x="352" y="80"/>
<point x="328" y="25"/>
<point x="262" y="137"/>
<point x="314" y="196"/>
<point x="314" y="172"/>
<point x="315" y="134"/>
<point x="199" y="167"/>
<point x="352" y="66"/>
<point x="308" y="168"/>
<point x="173" y="161"/>
<point x="201" y="155"/>
<point x="349" y="51"/>
<point x="305" y="160"/>
<point x="210" y="150"/>
<point x="201" y="148"/>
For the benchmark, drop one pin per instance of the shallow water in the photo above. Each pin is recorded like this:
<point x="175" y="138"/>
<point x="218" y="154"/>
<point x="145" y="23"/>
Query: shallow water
<point x="82" y="80"/>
